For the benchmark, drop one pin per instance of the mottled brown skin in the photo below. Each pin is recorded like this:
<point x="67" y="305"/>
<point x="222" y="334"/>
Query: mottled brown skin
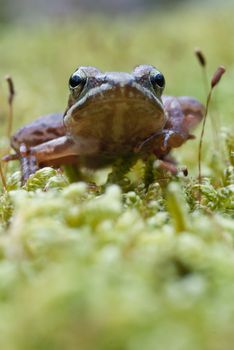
<point x="109" y="116"/>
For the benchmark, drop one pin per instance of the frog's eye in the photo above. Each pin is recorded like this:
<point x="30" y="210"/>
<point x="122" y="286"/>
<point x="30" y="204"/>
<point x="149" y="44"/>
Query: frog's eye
<point x="76" y="80"/>
<point x="157" y="80"/>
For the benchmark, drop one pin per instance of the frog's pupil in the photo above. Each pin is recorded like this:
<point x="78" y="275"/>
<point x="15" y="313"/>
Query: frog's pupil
<point x="158" y="79"/>
<point x="75" y="80"/>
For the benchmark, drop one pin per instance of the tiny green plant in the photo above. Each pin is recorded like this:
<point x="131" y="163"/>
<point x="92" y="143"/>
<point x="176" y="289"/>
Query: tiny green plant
<point x="214" y="81"/>
<point x="11" y="95"/>
<point x="3" y="179"/>
<point x="215" y="123"/>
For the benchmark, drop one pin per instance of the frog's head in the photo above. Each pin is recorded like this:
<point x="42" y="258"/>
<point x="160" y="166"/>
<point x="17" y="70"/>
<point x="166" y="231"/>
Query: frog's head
<point x="134" y="97"/>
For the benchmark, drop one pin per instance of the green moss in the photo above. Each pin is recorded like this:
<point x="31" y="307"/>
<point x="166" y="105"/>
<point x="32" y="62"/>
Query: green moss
<point x="143" y="264"/>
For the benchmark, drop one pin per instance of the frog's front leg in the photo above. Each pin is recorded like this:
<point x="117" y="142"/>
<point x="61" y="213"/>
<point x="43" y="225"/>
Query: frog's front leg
<point x="41" y="130"/>
<point x="183" y="114"/>
<point x="59" y="151"/>
<point x="44" y="142"/>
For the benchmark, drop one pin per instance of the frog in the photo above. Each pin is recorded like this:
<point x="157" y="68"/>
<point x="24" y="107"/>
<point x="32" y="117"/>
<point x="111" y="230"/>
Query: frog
<point x="110" y="117"/>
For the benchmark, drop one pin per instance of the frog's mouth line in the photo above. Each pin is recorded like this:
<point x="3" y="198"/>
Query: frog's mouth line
<point x="134" y="95"/>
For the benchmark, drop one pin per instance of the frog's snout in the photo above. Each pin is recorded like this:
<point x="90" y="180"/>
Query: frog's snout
<point x="123" y="90"/>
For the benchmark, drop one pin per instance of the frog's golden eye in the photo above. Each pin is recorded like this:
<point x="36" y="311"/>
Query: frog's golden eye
<point x="157" y="80"/>
<point x="76" y="80"/>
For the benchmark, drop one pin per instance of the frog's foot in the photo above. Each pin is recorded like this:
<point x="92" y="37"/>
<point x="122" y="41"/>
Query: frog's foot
<point x="10" y="157"/>
<point x="28" y="163"/>
<point x="170" y="166"/>
<point x="167" y="163"/>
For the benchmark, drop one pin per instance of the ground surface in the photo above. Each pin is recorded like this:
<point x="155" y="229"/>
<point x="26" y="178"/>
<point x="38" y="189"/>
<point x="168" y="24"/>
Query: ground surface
<point x="128" y="268"/>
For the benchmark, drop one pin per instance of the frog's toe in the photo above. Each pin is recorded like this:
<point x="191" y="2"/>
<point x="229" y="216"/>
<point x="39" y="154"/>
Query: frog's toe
<point x="10" y="157"/>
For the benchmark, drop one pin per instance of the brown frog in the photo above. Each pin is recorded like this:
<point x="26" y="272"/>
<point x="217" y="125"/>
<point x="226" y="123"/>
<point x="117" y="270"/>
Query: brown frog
<point x="110" y="116"/>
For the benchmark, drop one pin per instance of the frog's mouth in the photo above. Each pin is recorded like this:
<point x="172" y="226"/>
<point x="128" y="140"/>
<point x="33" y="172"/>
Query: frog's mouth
<point x="117" y="93"/>
<point x="118" y="110"/>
